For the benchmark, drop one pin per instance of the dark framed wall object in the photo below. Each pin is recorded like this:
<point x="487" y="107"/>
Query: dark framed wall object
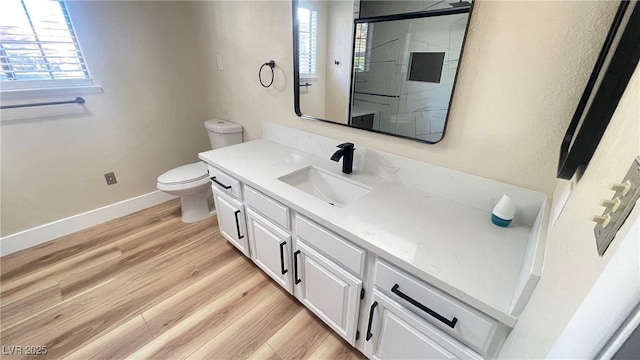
<point x="364" y="120"/>
<point x="614" y="67"/>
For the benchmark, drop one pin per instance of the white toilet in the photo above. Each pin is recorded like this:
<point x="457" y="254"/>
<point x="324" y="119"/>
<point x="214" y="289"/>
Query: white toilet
<point x="191" y="182"/>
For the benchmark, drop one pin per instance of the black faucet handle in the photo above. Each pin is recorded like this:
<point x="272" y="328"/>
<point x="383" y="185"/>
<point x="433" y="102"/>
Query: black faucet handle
<point x="346" y="146"/>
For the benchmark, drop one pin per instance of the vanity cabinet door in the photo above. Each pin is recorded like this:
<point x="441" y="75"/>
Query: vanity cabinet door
<point x="329" y="291"/>
<point x="270" y="248"/>
<point x="393" y="332"/>
<point x="231" y="221"/>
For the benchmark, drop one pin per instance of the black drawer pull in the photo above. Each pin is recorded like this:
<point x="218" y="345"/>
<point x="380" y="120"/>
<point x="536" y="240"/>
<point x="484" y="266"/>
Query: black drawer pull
<point x="226" y="187"/>
<point x="449" y="323"/>
<point x="373" y="307"/>
<point x="295" y="267"/>
<point x="240" y="236"/>
<point x="284" y="271"/>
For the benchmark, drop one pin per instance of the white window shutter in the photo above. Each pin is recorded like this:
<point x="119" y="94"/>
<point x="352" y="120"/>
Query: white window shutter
<point x="307" y="41"/>
<point x="39" y="47"/>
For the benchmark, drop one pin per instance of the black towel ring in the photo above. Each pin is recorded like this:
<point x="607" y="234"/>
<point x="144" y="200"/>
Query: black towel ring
<point x="271" y="64"/>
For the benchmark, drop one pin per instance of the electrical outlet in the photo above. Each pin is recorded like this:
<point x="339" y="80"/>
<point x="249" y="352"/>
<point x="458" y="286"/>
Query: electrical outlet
<point x="111" y="178"/>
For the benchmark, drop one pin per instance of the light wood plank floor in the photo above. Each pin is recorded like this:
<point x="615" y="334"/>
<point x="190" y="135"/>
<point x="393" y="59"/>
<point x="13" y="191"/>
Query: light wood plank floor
<point x="149" y="286"/>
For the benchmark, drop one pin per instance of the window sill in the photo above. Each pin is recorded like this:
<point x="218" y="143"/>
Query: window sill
<point x="308" y="78"/>
<point x="50" y="92"/>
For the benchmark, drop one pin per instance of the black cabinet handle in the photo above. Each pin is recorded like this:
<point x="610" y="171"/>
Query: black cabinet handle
<point x="240" y="236"/>
<point x="450" y="323"/>
<point x="373" y="307"/>
<point x="284" y="271"/>
<point x="227" y="187"/>
<point x="295" y="267"/>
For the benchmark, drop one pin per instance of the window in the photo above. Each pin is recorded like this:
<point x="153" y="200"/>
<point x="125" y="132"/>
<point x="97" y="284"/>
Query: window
<point x="307" y="30"/>
<point x="38" y="46"/>
<point x="362" y="47"/>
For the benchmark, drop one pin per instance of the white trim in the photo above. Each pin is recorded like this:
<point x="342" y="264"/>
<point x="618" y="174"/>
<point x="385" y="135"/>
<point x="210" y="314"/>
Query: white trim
<point x="533" y="261"/>
<point x="41" y="234"/>
<point x="50" y="92"/>
<point x="10" y="85"/>
<point x="608" y="304"/>
<point x="621" y="337"/>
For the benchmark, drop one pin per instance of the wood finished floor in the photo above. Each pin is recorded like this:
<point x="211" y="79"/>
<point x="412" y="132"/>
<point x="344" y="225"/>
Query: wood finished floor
<point x="147" y="286"/>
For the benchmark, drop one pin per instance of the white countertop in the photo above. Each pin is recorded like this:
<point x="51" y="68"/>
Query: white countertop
<point x="450" y="245"/>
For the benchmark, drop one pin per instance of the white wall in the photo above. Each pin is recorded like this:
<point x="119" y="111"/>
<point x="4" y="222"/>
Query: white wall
<point x="572" y="264"/>
<point x="338" y="77"/>
<point x="523" y="71"/>
<point x="148" y="120"/>
<point x="246" y="34"/>
<point x="312" y="98"/>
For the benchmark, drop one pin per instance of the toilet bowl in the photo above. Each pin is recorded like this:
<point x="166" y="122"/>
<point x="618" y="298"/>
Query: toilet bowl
<point x="191" y="182"/>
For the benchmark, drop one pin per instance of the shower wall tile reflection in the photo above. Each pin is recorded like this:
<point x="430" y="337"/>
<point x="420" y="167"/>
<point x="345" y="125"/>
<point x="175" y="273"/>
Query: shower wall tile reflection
<point x="401" y="106"/>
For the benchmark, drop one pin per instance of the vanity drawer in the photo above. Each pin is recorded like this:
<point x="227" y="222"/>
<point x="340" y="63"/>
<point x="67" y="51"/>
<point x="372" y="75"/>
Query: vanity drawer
<point x="268" y="207"/>
<point x="340" y="250"/>
<point x="471" y="326"/>
<point x="225" y="182"/>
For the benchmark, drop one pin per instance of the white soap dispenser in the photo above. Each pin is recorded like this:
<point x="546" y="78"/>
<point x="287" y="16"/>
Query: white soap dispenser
<point x="504" y="211"/>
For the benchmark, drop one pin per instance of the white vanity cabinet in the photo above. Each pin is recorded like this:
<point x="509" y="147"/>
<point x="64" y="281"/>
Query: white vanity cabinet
<point x="406" y="313"/>
<point x="224" y="182"/>
<point x="328" y="276"/>
<point x="270" y="248"/>
<point x="367" y="269"/>
<point x="227" y="196"/>
<point x="269" y="236"/>
<point x="394" y="332"/>
<point x="231" y="220"/>
<point x="329" y="291"/>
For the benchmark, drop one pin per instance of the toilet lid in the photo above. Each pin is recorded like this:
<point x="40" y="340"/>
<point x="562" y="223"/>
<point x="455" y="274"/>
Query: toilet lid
<point x="185" y="174"/>
<point x="222" y="126"/>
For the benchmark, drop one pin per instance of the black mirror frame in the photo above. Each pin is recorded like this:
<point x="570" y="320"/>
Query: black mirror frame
<point x="414" y="15"/>
<point x="613" y="70"/>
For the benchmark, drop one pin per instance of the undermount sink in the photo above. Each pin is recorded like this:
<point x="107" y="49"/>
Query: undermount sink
<point x="326" y="186"/>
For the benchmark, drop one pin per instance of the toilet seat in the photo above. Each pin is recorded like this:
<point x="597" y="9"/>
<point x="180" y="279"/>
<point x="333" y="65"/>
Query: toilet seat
<point x="185" y="174"/>
<point x="186" y="179"/>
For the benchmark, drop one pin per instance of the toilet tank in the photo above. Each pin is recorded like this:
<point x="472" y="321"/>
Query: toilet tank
<point x="223" y="133"/>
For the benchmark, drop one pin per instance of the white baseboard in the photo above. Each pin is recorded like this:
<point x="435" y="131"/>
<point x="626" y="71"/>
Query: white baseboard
<point x="41" y="234"/>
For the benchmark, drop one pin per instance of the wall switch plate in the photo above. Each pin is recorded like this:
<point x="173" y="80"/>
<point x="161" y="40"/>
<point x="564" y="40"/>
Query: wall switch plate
<point x="111" y="178"/>
<point x="617" y="209"/>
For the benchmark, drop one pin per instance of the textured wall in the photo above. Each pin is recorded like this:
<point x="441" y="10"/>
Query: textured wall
<point x="523" y="71"/>
<point x="572" y="264"/>
<point x="148" y="120"/>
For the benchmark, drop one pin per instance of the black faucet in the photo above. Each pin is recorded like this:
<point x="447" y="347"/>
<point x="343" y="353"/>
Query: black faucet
<point x="346" y="151"/>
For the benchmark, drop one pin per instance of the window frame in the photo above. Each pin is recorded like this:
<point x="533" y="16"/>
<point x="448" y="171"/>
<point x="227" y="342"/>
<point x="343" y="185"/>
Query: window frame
<point x="364" y="45"/>
<point x="14" y="89"/>
<point x="312" y="48"/>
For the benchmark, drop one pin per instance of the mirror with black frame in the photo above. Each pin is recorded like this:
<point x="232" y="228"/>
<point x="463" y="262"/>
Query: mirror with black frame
<point x="394" y="73"/>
